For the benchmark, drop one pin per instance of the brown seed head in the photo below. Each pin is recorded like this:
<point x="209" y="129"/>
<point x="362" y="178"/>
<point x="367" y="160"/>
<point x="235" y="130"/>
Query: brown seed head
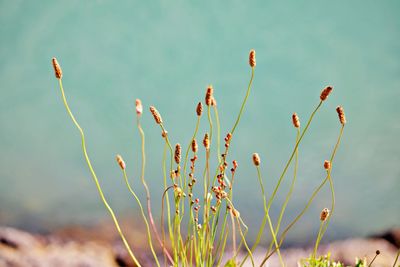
<point x="206" y="141"/>
<point x="139" y="107"/>
<point x="156" y="115"/>
<point x="177" y="156"/>
<point x="195" y="147"/>
<point x="256" y="159"/>
<point x="57" y="68"/>
<point x="199" y="109"/>
<point x="121" y="162"/>
<point x="209" y="95"/>
<point x="325" y="93"/>
<point x="324" y="214"/>
<point x="252" y="58"/>
<point x="327" y="164"/>
<point x="342" y="117"/>
<point x="296" y="120"/>
<point x="235" y="164"/>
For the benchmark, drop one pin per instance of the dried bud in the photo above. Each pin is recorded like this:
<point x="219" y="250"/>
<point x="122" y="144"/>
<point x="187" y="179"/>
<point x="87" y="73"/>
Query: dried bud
<point x="164" y="134"/>
<point x="324" y="214"/>
<point x="342" y="117"/>
<point x="235" y="212"/>
<point x="209" y="95"/>
<point x="206" y="141"/>
<point x="57" y="68"/>
<point x="325" y="93"/>
<point x="256" y="159"/>
<point x="121" y="162"/>
<point x="199" y="109"/>
<point x="198" y="227"/>
<point x="177" y="156"/>
<point x="327" y="164"/>
<point x="295" y="120"/>
<point x="156" y="115"/>
<point x="252" y="58"/>
<point x="139" y="107"/>
<point x="195" y="147"/>
<point x="235" y="164"/>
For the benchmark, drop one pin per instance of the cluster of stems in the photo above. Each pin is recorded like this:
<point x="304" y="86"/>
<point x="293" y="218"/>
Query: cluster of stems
<point x="197" y="226"/>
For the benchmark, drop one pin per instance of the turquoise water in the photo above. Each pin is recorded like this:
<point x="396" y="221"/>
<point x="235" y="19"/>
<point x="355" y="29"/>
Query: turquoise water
<point x="166" y="54"/>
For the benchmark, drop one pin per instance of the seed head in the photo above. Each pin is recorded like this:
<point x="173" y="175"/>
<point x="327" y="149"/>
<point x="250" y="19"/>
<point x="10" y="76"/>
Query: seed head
<point x="156" y="115"/>
<point x="139" y="107"/>
<point x="121" y="162"/>
<point x="209" y="95"/>
<point x="177" y="156"/>
<point x="195" y="147"/>
<point x="327" y="164"/>
<point x="199" y="109"/>
<point x="325" y="93"/>
<point x="235" y="164"/>
<point x="256" y="159"/>
<point x="57" y="68"/>
<point x="324" y="214"/>
<point x="206" y="141"/>
<point x="342" y="117"/>
<point x="296" y="120"/>
<point x="252" y="58"/>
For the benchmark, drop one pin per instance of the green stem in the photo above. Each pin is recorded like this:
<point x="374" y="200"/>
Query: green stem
<point x="268" y="217"/>
<point x="95" y="179"/>
<point x="315" y="192"/>
<point x="143" y="215"/>
<point x="289" y="194"/>
<point x="317" y="241"/>
<point x="244" y="102"/>
<point x="150" y="214"/>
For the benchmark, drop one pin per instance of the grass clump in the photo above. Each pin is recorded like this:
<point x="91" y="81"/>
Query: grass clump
<point x="194" y="229"/>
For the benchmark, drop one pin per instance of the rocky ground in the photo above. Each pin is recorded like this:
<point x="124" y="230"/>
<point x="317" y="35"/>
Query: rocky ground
<point x="100" y="247"/>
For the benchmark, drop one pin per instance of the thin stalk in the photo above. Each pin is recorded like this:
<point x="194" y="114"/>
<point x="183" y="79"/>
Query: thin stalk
<point x="397" y="258"/>
<point x="261" y="230"/>
<point x="218" y="133"/>
<point x="314" y="255"/>
<point x="314" y="194"/>
<point x="95" y="179"/>
<point x="150" y="214"/>
<point x="289" y="194"/>
<point x="234" y="252"/>
<point x="143" y="215"/>
<point x="167" y="201"/>
<point x="165" y="195"/>
<point x="268" y="217"/>
<point x="244" y="102"/>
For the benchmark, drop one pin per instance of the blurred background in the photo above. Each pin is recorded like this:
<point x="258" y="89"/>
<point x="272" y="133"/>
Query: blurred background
<point x="166" y="54"/>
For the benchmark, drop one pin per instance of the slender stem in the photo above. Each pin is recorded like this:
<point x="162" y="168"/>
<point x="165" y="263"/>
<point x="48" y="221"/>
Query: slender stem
<point x="95" y="179"/>
<point x="289" y="194"/>
<point x="143" y="215"/>
<point x="268" y="217"/>
<point x="165" y="195"/>
<point x="261" y="230"/>
<point x="218" y="133"/>
<point x="244" y="102"/>
<point x="150" y="214"/>
<point x="233" y="237"/>
<point x="397" y="257"/>
<point x="317" y="241"/>
<point x="314" y="194"/>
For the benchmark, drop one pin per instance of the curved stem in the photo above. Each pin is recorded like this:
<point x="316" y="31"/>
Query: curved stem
<point x="150" y="214"/>
<point x="143" y="216"/>
<point x="95" y="179"/>
<point x="315" y="192"/>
